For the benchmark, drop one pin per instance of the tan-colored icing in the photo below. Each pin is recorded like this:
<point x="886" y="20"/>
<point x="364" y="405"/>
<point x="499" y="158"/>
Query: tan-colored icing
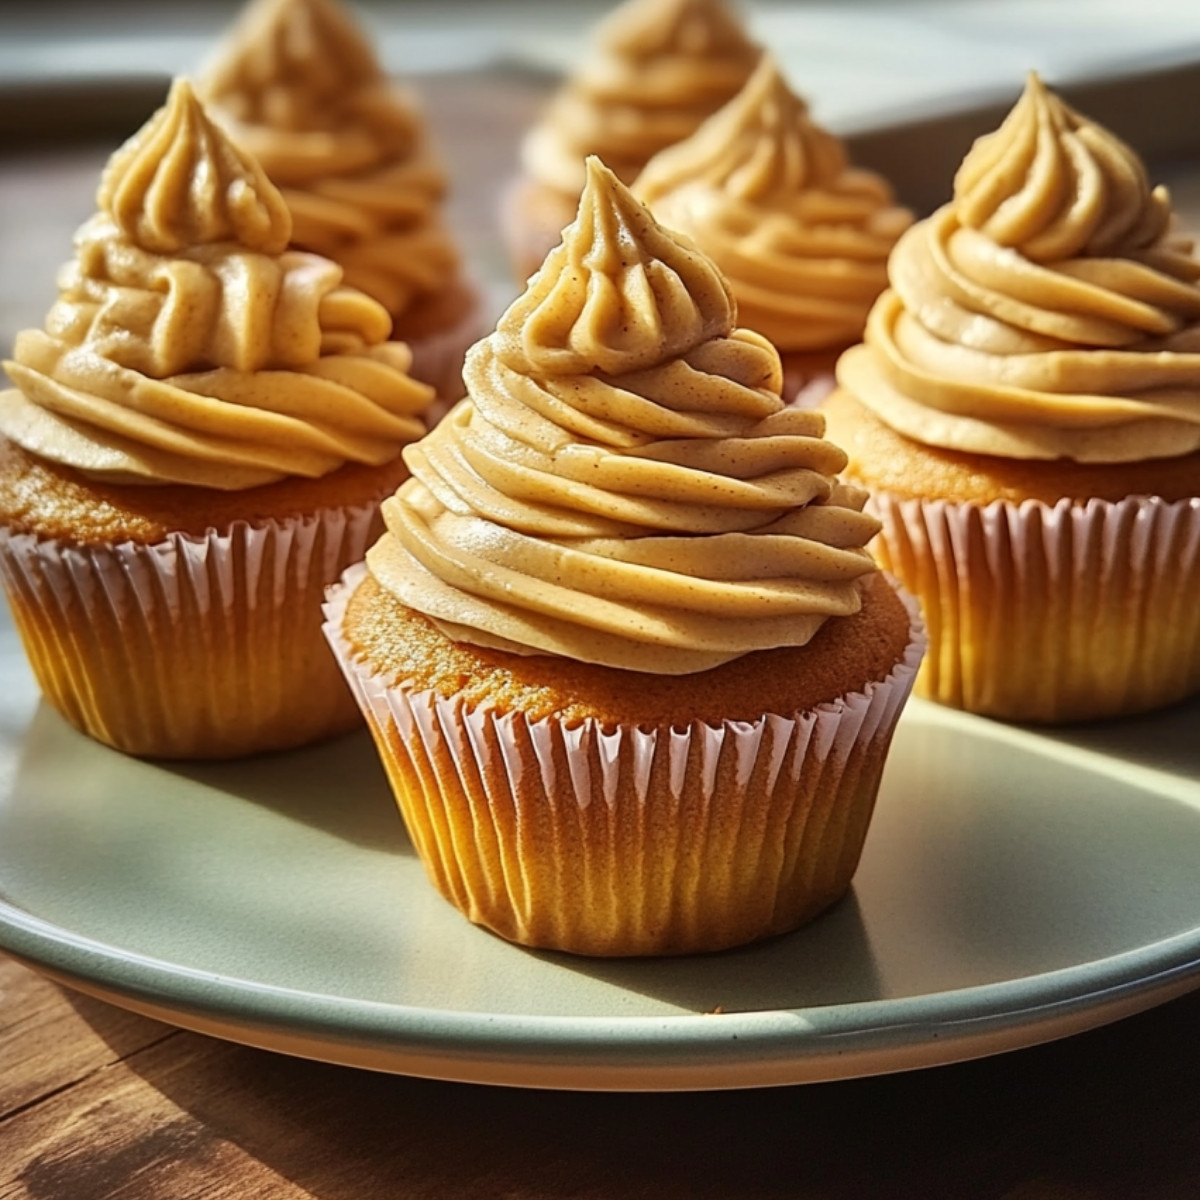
<point x="186" y="348"/>
<point x="623" y="483"/>
<point x="802" y="237"/>
<point x="1047" y="312"/>
<point x="655" y="71"/>
<point x="300" y="87"/>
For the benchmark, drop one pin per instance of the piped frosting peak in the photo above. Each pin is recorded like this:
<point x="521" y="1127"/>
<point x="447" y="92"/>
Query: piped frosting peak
<point x="620" y="293"/>
<point x="762" y="144"/>
<point x="188" y="345"/>
<point x="651" y="28"/>
<point x="304" y="66"/>
<point x="656" y="69"/>
<point x="1053" y="185"/>
<point x="180" y="181"/>
<point x="624" y="484"/>
<point x="1047" y="311"/>
<point x="802" y="236"/>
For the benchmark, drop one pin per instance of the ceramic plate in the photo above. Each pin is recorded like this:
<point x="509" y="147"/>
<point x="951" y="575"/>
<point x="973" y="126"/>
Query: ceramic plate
<point x="1015" y="887"/>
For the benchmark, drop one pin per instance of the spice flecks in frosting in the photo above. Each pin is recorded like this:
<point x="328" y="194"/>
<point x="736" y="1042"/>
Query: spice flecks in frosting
<point x="658" y="69"/>
<point x="1047" y="312"/>
<point x="653" y="507"/>
<point x="802" y="237"/>
<point x="620" y="293"/>
<point x="219" y="362"/>
<point x="180" y="182"/>
<point x="1052" y="185"/>
<point x="301" y="88"/>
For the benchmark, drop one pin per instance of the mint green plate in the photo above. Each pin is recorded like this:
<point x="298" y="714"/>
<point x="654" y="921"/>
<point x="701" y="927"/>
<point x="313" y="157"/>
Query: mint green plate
<point x="1016" y="887"/>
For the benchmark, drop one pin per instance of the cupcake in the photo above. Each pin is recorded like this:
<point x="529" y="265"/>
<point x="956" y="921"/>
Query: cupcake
<point x="1025" y="408"/>
<point x="656" y="70"/>
<point x="298" y="85"/>
<point x="631" y="672"/>
<point x="196" y="445"/>
<point x="802" y="237"/>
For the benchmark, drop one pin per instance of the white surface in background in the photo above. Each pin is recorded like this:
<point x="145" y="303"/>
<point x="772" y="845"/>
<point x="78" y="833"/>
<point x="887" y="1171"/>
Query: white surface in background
<point x="859" y="63"/>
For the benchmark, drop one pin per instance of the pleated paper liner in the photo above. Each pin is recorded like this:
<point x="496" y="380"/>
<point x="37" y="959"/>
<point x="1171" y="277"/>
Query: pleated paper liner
<point x="1051" y="613"/>
<point x="194" y="647"/>
<point x="632" y="841"/>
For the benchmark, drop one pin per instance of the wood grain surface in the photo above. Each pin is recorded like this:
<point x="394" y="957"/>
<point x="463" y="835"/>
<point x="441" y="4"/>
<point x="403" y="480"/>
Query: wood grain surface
<point x="99" y="1104"/>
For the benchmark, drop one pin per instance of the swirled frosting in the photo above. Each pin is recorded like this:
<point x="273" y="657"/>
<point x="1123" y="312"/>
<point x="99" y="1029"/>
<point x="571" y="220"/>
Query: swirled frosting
<point x="802" y="237"/>
<point x="658" y="68"/>
<point x="623" y="484"/>
<point x="299" y="86"/>
<point x="187" y="346"/>
<point x="1047" y="312"/>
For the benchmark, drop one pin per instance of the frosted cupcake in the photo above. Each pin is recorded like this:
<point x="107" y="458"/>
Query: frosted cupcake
<point x="629" y="668"/>
<point x="300" y="87"/>
<point x="802" y="237"/>
<point x="1026" y="411"/>
<point x="196" y="445"/>
<point x="656" y="70"/>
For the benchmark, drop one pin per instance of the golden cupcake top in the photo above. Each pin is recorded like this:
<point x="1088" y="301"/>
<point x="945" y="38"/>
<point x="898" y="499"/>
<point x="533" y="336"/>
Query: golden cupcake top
<point x="299" y="85"/>
<point x="656" y="70"/>
<point x="623" y="484"/>
<point x="188" y="346"/>
<point x="1048" y="311"/>
<point x="802" y="236"/>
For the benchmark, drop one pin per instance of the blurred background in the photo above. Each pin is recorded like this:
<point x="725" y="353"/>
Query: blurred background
<point x="909" y="83"/>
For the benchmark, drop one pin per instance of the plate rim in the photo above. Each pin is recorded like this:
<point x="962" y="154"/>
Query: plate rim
<point x="684" y="1051"/>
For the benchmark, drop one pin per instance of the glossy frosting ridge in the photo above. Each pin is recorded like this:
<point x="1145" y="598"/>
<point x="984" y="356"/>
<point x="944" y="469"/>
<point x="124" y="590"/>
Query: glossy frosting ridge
<point x="623" y="483"/>
<point x="656" y="69"/>
<point x="299" y="85"/>
<point x="802" y="236"/>
<point x="185" y="347"/>
<point x="1048" y="311"/>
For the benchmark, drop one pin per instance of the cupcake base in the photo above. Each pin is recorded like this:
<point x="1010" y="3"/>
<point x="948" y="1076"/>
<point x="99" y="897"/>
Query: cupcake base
<point x="626" y="838"/>
<point x="1053" y="591"/>
<point x="200" y="641"/>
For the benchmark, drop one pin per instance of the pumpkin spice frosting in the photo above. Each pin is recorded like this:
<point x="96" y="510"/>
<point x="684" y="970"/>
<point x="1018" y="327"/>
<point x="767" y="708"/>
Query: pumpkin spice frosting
<point x="655" y="70"/>
<point x="299" y="85"/>
<point x="623" y="484"/>
<point x="802" y="236"/>
<point x="189" y="346"/>
<point x="197" y="443"/>
<point x="1025" y="411"/>
<point x="1048" y="311"/>
<point x="628" y="666"/>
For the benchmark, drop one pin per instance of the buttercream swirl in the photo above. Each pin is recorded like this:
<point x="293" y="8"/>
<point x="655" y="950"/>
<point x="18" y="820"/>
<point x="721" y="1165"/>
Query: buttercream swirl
<point x="802" y="237"/>
<point x="185" y="348"/>
<point x="623" y="484"/>
<point x="1047" y="312"/>
<point x="657" y="69"/>
<point x="300" y="87"/>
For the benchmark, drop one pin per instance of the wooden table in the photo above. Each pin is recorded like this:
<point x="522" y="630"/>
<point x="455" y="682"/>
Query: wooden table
<point x="99" y="1103"/>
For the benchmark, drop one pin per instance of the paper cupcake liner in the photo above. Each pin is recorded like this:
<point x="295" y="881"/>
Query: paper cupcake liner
<point x="1051" y="613"/>
<point x="631" y="841"/>
<point x="194" y="646"/>
<point x="438" y="357"/>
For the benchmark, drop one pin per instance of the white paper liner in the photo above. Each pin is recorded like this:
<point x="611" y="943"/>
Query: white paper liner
<point x="695" y="838"/>
<point x="438" y="357"/>
<point x="195" y="646"/>
<point x="1051" y="613"/>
